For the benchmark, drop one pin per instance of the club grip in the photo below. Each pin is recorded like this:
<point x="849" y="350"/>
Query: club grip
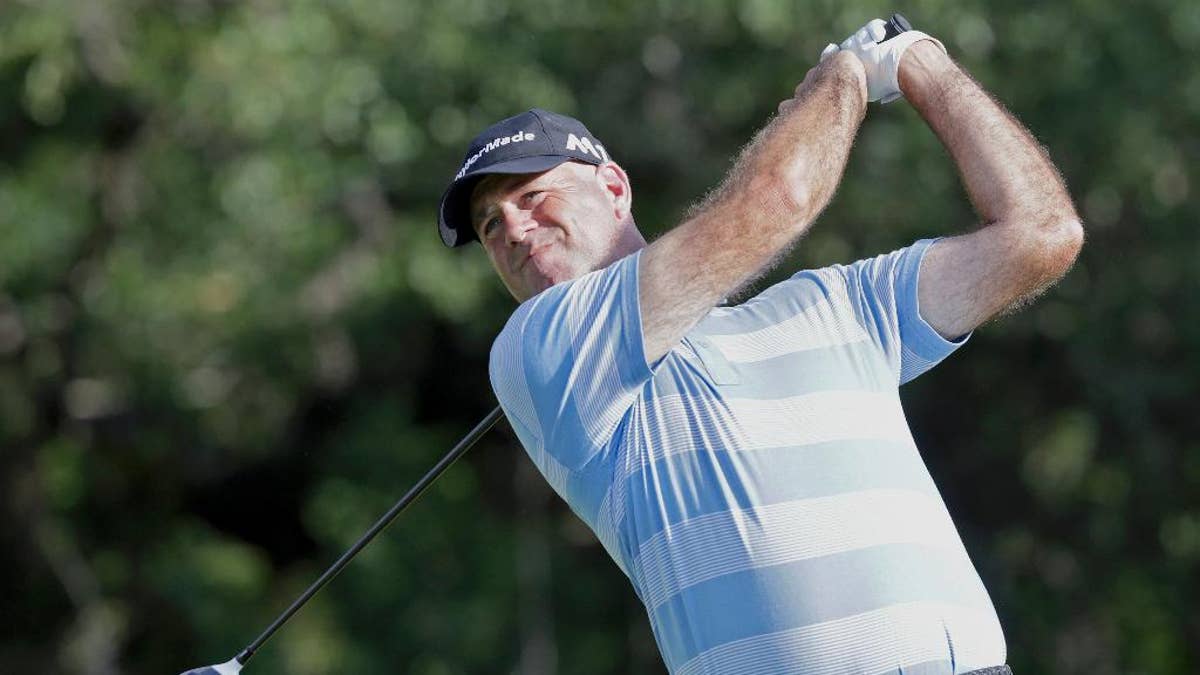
<point x="895" y="26"/>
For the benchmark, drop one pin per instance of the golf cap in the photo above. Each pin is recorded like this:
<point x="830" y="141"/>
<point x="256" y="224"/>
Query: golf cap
<point x="534" y="141"/>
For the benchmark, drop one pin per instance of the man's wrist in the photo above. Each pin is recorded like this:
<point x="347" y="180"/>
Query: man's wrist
<point x="849" y="69"/>
<point x="923" y="68"/>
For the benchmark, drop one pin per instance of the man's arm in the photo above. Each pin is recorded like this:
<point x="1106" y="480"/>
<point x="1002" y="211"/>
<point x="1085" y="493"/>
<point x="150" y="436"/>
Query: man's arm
<point x="777" y="187"/>
<point x="1031" y="233"/>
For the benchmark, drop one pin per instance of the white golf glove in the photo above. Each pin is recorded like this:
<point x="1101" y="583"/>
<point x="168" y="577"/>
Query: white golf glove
<point x="880" y="58"/>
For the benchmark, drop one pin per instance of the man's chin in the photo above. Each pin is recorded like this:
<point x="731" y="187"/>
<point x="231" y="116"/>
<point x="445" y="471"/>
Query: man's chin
<point x="532" y="289"/>
<point x="543" y="284"/>
<point x="544" y="281"/>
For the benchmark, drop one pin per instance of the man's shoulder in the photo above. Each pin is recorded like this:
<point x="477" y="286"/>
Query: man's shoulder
<point x="518" y="321"/>
<point x="565" y="305"/>
<point x="532" y="322"/>
<point x="508" y="340"/>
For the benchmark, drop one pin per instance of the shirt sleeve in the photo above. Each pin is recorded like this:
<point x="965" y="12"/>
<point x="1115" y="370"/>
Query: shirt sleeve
<point x="569" y="364"/>
<point x="883" y="291"/>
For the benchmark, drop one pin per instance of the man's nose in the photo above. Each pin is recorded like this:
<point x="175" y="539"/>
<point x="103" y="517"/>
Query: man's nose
<point x="516" y="223"/>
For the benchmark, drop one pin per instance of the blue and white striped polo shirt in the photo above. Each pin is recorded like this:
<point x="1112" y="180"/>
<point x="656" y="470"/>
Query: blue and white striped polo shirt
<point x="758" y="484"/>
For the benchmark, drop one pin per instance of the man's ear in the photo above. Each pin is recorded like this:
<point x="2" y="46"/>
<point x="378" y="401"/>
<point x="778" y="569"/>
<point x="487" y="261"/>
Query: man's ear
<point x="616" y="185"/>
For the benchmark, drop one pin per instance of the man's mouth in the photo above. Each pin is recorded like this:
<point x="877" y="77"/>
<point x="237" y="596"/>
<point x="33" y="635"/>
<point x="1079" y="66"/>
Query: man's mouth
<point x="536" y="250"/>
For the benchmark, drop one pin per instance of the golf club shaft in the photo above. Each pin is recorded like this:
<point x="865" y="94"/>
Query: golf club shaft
<point x="463" y="445"/>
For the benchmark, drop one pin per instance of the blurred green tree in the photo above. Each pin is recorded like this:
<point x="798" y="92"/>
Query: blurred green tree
<point x="229" y="336"/>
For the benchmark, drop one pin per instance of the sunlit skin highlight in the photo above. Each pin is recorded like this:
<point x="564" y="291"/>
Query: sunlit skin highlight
<point x="545" y="228"/>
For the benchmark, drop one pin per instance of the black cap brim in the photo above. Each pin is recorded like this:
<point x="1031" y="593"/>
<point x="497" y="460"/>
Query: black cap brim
<point x="454" y="212"/>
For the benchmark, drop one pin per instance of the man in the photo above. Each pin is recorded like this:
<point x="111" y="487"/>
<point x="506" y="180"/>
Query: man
<point x="750" y="467"/>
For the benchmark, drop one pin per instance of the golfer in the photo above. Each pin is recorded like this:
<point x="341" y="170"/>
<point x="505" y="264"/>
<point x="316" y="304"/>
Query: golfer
<point x="749" y="467"/>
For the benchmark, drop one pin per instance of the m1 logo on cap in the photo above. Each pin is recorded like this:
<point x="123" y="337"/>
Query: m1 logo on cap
<point x="585" y="144"/>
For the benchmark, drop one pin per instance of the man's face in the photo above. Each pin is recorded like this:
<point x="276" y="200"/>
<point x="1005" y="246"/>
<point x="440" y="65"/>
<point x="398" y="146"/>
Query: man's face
<point x="544" y="228"/>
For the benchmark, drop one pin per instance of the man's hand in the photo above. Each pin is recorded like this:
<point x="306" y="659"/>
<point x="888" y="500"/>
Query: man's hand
<point x="880" y="56"/>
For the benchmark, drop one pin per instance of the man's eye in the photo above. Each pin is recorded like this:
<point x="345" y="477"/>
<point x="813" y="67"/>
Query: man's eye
<point x="530" y="196"/>
<point x="490" y="225"/>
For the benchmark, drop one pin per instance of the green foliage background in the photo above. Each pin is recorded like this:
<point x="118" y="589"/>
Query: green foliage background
<point x="230" y="338"/>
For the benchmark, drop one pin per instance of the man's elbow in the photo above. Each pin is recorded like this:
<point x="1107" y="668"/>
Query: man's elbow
<point x="1057" y="244"/>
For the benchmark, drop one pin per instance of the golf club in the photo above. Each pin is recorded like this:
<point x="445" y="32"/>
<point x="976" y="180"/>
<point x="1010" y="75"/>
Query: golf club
<point x="234" y="665"/>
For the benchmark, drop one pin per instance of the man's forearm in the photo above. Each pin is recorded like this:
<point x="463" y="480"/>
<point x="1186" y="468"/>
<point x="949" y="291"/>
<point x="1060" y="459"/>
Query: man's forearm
<point x="1006" y="173"/>
<point x="1031" y="234"/>
<point x="777" y="187"/>
<point x="796" y="161"/>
